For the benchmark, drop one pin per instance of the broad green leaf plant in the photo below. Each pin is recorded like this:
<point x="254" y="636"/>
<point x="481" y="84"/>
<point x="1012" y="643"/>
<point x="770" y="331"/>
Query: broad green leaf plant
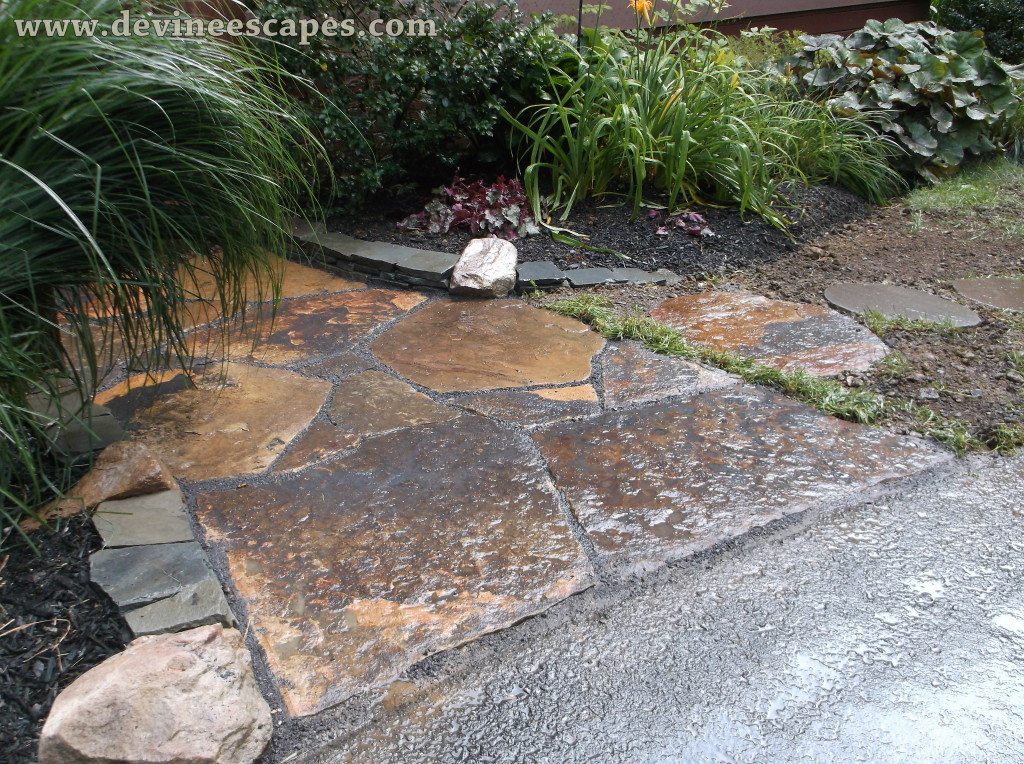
<point x="941" y="94"/>
<point x="673" y="118"/>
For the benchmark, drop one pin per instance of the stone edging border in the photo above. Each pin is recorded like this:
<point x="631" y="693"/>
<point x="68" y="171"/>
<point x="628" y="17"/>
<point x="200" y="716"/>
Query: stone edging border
<point x="414" y="267"/>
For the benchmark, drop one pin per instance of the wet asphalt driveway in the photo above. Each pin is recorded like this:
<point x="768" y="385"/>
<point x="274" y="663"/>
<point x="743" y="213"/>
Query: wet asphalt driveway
<point x="888" y="631"/>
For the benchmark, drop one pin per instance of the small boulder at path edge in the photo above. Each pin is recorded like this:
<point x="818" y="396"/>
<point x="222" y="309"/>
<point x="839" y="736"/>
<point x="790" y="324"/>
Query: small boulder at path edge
<point x="186" y="697"/>
<point x="487" y="267"/>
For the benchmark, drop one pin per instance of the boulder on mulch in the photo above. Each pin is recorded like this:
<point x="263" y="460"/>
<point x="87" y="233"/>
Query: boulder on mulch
<point x="189" y="696"/>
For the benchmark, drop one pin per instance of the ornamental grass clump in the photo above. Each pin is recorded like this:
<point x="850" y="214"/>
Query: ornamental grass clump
<point x="121" y="159"/>
<point x="675" y="115"/>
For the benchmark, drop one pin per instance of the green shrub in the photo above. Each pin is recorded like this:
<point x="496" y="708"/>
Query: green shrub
<point x="939" y="93"/>
<point x="764" y="46"/>
<point x="395" y="110"/>
<point x="671" y="115"/>
<point x="120" y="159"/>
<point x="1002" y="21"/>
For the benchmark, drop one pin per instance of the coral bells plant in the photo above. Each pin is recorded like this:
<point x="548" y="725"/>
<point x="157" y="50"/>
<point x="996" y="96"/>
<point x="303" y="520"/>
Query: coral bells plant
<point x="501" y="209"/>
<point x="693" y="223"/>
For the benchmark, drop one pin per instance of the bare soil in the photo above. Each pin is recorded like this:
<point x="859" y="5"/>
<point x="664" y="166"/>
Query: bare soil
<point x="961" y="374"/>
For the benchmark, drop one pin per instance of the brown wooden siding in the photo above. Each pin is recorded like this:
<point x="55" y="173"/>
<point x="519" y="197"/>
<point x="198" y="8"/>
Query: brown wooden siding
<point x="811" y="16"/>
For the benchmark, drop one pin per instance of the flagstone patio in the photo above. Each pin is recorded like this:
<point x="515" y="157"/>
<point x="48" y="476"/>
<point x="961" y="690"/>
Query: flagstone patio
<point x="389" y="474"/>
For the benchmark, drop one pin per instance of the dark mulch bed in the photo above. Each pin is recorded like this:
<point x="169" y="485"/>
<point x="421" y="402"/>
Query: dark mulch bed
<point x="54" y="626"/>
<point x="740" y="241"/>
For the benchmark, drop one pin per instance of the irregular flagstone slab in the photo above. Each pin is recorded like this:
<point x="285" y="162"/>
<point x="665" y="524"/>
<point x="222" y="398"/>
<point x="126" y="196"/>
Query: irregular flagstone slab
<point x="236" y="420"/>
<point x="296" y="280"/>
<point x="159" y="518"/>
<point x="122" y="470"/>
<point x="366" y="404"/>
<point x="309" y="327"/>
<point x="632" y="374"/>
<point x="670" y="479"/>
<point x="786" y="335"/>
<point x="1001" y="293"/>
<point x="138" y="575"/>
<point x="419" y="541"/>
<point x="463" y="346"/>
<point x="532" y="407"/>
<point x="895" y="301"/>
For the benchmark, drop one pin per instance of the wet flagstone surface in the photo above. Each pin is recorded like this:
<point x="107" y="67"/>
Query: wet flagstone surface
<point x="632" y="374"/>
<point x="236" y="420"/>
<point x="401" y="488"/>
<point x="671" y="479"/>
<point x="366" y="404"/>
<point x="309" y="327"/>
<point x="418" y="541"/>
<point x="464" y="345"/>
<point x="532" y="407"/>
<point x="786" y="335"/>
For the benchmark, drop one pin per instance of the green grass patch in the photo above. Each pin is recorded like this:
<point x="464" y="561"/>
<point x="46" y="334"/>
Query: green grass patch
<point x="826" y="395"/>
<point x="1007" y="439"/>
<point x="996" y="187"/>
<point x="881" y="324"/>
<point x="1016" y="359"/>
<point x="895" y="365"/>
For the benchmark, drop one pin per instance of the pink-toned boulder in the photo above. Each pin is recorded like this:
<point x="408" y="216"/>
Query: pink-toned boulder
<point x="486" y="267"/>
<point x="184" y="698"/>
<point x="123" y="470"/>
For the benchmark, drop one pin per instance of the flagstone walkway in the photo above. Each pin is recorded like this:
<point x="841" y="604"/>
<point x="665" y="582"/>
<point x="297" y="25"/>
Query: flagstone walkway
<point x="389" y="474"/>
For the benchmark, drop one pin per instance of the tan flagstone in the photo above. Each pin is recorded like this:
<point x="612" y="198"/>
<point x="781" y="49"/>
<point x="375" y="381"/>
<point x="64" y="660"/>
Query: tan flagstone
<point x="296" y="281"/>
<point x="532" y="407"/>
<point x="309" y="327"/>
<point x="235" y="421"/>
<point x="366" y="404"/>
<point x="418" y="541"/>
<point x="786" y="335"/>
<point x="469" y="345"/>
<point x="632" y="374"/>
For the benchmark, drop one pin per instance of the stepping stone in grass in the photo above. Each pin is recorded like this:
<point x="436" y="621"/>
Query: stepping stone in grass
<point x="1002" y="293"/>
<point x="900" y="302"/>
<point x="785" y="335"/>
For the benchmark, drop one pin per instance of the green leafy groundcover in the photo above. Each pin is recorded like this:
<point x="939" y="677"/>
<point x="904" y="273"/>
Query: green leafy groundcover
<point x="940" y="93"/>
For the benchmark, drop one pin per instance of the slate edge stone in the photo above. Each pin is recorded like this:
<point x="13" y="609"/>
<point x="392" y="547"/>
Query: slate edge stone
<point x="427" y="268"/>
<point x="188" y="609"/>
